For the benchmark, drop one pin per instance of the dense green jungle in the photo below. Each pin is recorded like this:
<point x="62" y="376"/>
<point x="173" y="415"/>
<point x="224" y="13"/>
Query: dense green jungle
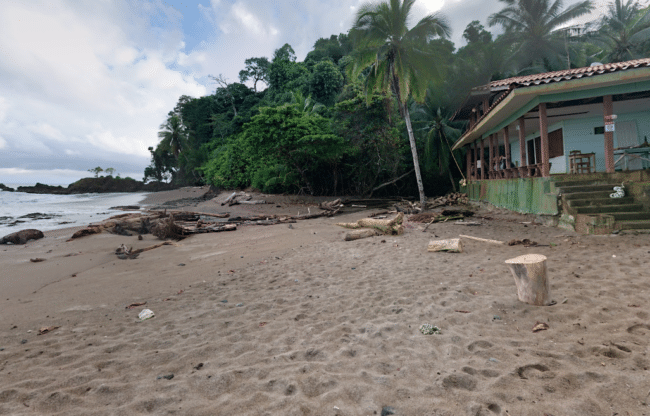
<point x="370" y="112"/>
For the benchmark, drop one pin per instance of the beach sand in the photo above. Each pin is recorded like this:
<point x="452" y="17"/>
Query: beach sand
<point x="279" y="320"/>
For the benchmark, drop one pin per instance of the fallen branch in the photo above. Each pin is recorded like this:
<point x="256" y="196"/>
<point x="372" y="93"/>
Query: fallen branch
<point x="485" y="240"/>
<point x="392" y="181"/>
<point x="256" y="202"/>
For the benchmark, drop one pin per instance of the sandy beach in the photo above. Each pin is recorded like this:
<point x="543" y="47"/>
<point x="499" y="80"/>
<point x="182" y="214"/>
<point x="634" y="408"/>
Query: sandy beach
<point x="292" y="320"/>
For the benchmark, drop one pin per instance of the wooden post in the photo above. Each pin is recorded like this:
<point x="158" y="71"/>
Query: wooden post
<point x="475" y="149"/>
<point x="608" y="110"/>
<point x="468" y="161"/>
<point x="491" y="156"/>
<point x="506" y="141"/>
<point x="543" y="132"/>
<point x="532" y="283"/>
<point x="522" y="142"/>
<point x="484" y="165"/>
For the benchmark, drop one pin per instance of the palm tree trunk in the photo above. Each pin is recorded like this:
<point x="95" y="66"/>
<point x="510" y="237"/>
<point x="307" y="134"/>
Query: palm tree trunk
<point x="414" y="151"/>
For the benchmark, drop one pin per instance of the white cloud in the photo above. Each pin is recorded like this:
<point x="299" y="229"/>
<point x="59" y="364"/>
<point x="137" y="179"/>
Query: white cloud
<point x="44" y="129"/>
<point x="97" y="75"/>
<point x="3" y="143"/>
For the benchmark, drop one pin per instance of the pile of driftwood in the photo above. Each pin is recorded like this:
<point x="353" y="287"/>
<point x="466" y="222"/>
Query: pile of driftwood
<point x="180" y="224"/>
<point x="368" y="227"/>
<point x="449" y="199"/>
<point x="162" y="224"/>
<point x="243" y="198"/>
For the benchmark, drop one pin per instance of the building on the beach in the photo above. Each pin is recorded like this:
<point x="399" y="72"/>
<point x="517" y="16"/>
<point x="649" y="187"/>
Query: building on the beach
<point x="556" y="143"/>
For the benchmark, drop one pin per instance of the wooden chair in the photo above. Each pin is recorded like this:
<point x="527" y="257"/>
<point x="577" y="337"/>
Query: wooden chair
<point x="581" y="162"/>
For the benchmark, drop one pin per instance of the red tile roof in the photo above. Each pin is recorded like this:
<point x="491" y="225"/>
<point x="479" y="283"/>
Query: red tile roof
<point x="565" y="75"/>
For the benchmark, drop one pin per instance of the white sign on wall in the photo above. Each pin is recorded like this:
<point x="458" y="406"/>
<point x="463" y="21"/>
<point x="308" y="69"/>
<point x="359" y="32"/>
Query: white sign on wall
<point x="609" y="127"/>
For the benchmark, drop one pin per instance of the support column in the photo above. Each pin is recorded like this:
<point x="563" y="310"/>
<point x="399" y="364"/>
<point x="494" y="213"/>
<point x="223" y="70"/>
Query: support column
<point x="506" y="143"/>
<point x="543" y="132"/>
<point x="468" y="162"/>
<point x="608" y="110"/>
<point x="475" y="147"/>
<point x="491" y="155"/>
<point x="522" y="142"/>
<point x="483" y="164"/>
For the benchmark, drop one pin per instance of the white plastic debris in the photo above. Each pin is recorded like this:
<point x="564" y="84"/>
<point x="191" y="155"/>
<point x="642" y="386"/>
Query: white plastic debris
<point x="146" y="314"/>
<point x="620" y="192"/>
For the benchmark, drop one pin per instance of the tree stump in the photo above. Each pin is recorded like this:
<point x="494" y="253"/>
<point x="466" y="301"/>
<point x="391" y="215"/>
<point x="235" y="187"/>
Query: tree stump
<point x="529" y="272"/>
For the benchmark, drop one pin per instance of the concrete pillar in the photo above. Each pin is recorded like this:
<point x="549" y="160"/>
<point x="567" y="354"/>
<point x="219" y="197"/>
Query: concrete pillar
<point x="608" y="110"/>
<point x="543" y="132"/>
<point x="506" y="141"/>
<point x="522" y="142"/>
<point x="483" y="164"/>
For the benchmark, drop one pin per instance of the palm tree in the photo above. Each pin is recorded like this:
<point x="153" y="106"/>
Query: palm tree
<point x="434" y="116"/>
<point x="535" y="29"/>
<point x="396" y="57"/>
<point x="623" y="30"/>
<point x="172" y="132"/>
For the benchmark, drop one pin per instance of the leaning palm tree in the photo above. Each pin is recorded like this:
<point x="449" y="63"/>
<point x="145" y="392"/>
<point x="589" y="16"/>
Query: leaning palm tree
<point x="535" y="28"/>
<point x="396" y="57"/>
<point x="622" y="31"/>
<point x="172" y="132"/>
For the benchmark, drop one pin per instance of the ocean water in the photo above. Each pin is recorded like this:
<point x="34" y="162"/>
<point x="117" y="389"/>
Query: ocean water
<point x="19" y="210"/>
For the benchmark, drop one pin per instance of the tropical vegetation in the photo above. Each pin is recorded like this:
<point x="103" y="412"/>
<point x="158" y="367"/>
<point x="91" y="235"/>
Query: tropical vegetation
<point x="369" y="112"/>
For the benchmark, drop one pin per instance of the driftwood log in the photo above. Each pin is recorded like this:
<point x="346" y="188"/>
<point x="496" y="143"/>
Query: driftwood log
<point x="331" y="205"/>
<point x="530" y="275"/>
<point x="453" y="245"/>
<point x="385" y="226"/>
<point x="363" y="233"/>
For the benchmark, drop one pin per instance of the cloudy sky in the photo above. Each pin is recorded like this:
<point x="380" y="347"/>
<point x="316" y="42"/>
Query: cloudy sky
<point x="86" y="83"/>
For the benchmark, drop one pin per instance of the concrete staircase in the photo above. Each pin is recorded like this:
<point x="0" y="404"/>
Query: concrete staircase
<point x="588" y="209"/>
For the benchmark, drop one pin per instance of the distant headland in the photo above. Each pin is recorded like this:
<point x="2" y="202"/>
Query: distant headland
<point x="103" y="184"/>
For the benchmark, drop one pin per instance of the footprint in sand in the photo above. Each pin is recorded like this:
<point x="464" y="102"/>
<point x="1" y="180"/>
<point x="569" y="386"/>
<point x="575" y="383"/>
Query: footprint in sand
<point x="479" y="344"/>
<point x="639" y="329"/>
<point x="533" y="371"/>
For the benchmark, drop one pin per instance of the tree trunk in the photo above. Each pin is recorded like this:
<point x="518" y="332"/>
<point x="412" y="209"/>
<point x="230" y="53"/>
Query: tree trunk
<point x="414" y="152"/>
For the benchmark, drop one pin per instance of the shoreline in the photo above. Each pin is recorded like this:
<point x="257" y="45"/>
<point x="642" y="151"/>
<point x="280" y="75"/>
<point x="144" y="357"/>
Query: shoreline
<point x="288" y="319"/>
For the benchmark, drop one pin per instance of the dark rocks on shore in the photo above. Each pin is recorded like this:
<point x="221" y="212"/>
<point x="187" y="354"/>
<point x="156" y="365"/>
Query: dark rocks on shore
<point x="3" y="187"/>
<point x="21" y="237"/>
<point x="104" y="184"/>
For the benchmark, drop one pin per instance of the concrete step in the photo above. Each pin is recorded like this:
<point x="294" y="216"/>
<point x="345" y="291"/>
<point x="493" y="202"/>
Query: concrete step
<point x="566" y="190"/>
<point x="587" y="195"/>
<point x="631" y="216"/>
<point x="563" y="184"/>
<point x="608" y="209"/>
<point x="632" y="225"/>
<point x="575" y="203"/>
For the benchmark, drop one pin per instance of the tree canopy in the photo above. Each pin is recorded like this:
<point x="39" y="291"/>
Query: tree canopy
<point x="362" y="109"/>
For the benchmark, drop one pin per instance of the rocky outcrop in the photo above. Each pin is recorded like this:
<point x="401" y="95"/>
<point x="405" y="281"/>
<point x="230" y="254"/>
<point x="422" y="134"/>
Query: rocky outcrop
<point x="3" y="187"/>
<point x="22" y="237"/>
<point x="104" y="184"/>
